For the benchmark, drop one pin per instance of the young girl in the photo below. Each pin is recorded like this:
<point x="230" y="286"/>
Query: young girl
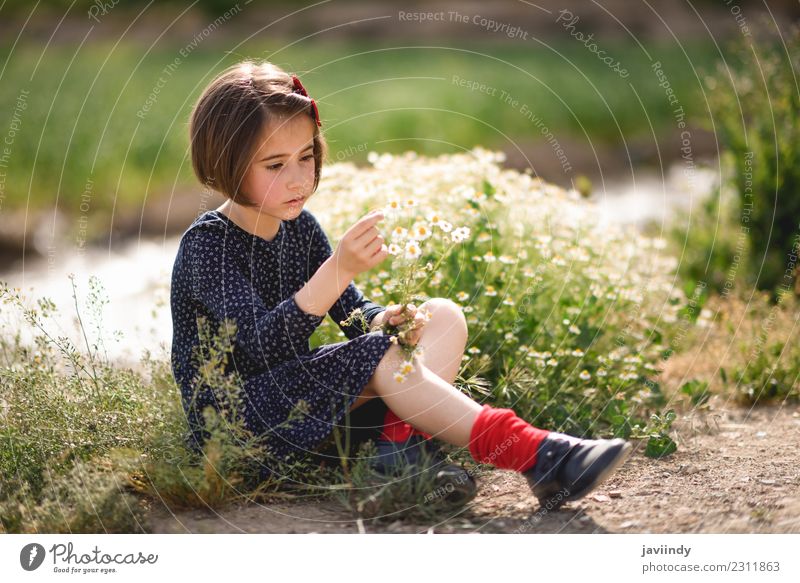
<point x="262" y="260"/>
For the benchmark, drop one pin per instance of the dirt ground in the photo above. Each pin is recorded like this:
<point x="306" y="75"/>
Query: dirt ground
<point x="735" y="471"/>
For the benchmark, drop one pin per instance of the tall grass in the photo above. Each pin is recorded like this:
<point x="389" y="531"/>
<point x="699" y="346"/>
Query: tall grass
<point x="87" y="446"/>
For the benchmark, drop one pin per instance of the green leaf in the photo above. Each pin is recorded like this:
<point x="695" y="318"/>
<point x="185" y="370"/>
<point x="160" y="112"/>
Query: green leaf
<point x="659" y="446"/>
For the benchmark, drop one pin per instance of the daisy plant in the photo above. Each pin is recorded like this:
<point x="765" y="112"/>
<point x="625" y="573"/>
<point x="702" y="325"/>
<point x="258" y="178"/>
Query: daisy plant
<point x="420" y="239"/>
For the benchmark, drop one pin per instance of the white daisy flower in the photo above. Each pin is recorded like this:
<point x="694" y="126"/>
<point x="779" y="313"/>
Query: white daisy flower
<point x="460" y="234"/>
<point x="394" y="249"/>
<point x="392" y="207"/>
<point x="420" y="231"/>
<point x="399" y="233"/>
<point x="406" y="367"/>
<point x="413" y="250"/>
<point x="585" y="376"/>
<point x="434" y="219"/>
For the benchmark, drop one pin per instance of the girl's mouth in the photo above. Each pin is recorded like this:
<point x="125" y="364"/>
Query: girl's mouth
<point x="296" y="200"/>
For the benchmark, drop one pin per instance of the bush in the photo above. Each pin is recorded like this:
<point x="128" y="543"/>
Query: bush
<point x="569" y="319"/>
<point x="755" y="107"/>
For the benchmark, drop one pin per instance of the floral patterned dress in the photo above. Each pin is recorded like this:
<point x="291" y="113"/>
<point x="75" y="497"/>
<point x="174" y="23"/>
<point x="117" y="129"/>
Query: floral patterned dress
<point x="223" y="272"/>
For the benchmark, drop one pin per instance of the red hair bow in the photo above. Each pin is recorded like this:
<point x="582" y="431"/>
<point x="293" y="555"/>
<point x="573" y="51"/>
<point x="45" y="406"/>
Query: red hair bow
<point x="298" y="88"/>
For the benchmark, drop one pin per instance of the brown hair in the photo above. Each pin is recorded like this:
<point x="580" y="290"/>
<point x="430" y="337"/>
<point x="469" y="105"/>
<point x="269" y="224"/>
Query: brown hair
<point x="229" y="117"/>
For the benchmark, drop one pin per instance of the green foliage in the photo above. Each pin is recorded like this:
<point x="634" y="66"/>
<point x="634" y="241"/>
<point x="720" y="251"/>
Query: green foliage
<point x="756" y="111"/>
<point x="84" y="114"/>
<point x="697" y="391"/>
<point x="711" y="242"/>
<point x="765" y="369"/>
<point x="568" y="320"/>
<point x="82" y="439"/>
<point x="659" y="443"/>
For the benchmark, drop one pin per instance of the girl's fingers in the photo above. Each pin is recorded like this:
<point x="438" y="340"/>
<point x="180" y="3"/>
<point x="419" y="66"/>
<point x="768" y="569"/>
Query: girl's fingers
<point x="366" y="223"/>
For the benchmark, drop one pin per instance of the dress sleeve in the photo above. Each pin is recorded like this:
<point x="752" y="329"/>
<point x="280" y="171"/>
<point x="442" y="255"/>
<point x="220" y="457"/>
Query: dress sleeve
<point x="222" y="286"/>
<point x="351" y="298"/>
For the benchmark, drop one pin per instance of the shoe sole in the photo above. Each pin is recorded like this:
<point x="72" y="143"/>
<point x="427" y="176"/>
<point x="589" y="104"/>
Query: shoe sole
<point x="463" y="487"/>
<point x="615" y="463"/>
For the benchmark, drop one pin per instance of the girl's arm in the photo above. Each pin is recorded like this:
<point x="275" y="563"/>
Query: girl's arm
<point x="332" y="290"/>
<point x="265" y="335"/>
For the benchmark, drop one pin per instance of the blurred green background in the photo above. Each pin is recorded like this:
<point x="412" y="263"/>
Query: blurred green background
<point x="96" y="96"/>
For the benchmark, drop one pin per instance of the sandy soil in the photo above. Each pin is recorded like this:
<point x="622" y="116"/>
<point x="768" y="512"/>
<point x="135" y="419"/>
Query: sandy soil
<point x="735" y="471"/>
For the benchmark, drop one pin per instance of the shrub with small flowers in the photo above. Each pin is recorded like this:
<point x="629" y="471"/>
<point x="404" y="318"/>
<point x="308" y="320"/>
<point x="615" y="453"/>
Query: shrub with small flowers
<point x="568" y="317"/>
<point x="418" y="244"/>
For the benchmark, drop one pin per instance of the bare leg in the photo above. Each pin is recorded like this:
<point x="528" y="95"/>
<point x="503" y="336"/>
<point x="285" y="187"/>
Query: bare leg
<point x="424" y="399"/>
<point x="444" y="338"/>
<point x="443" y="341"/>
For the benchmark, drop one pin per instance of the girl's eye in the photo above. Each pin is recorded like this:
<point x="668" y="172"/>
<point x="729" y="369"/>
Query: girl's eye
<point x="278" y="166"/>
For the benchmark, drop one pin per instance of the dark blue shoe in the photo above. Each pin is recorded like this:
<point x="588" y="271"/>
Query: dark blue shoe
<point x="567" y="468"/>
<point x="452" y="483"/>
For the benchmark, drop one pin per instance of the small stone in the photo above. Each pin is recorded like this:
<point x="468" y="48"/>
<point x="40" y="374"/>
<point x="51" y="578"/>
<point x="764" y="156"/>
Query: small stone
<point x="629" y="523"/>
<point x="600" y="498"/>
<point x="768" y="482"/>
<point x="615" y="493"/>
<point x="761" y="434"/>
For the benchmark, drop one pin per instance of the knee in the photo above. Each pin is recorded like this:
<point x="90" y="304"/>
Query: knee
<point x="447" y="310"/>
<point x="384" y="376"/>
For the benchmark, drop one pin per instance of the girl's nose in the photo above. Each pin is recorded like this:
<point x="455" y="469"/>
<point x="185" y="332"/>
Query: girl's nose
<point x="296" y="180"/>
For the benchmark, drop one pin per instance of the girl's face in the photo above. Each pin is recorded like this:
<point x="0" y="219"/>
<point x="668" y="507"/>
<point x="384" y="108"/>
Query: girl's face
<point x="281" y="174"/>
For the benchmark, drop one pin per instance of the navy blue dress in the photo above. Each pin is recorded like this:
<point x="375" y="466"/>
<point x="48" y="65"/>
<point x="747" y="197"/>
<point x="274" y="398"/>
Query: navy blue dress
<point x="223" y="272"/>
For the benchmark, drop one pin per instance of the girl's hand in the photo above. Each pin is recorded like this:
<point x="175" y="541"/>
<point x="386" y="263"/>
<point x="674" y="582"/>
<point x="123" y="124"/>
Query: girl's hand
<point x="361" y="247"/>
<point x="413" y="332"/>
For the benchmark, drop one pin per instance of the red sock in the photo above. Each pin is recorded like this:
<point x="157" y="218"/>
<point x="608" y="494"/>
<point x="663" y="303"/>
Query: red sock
<point x="500" y="438"/>
<point x="395" y="429"/>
